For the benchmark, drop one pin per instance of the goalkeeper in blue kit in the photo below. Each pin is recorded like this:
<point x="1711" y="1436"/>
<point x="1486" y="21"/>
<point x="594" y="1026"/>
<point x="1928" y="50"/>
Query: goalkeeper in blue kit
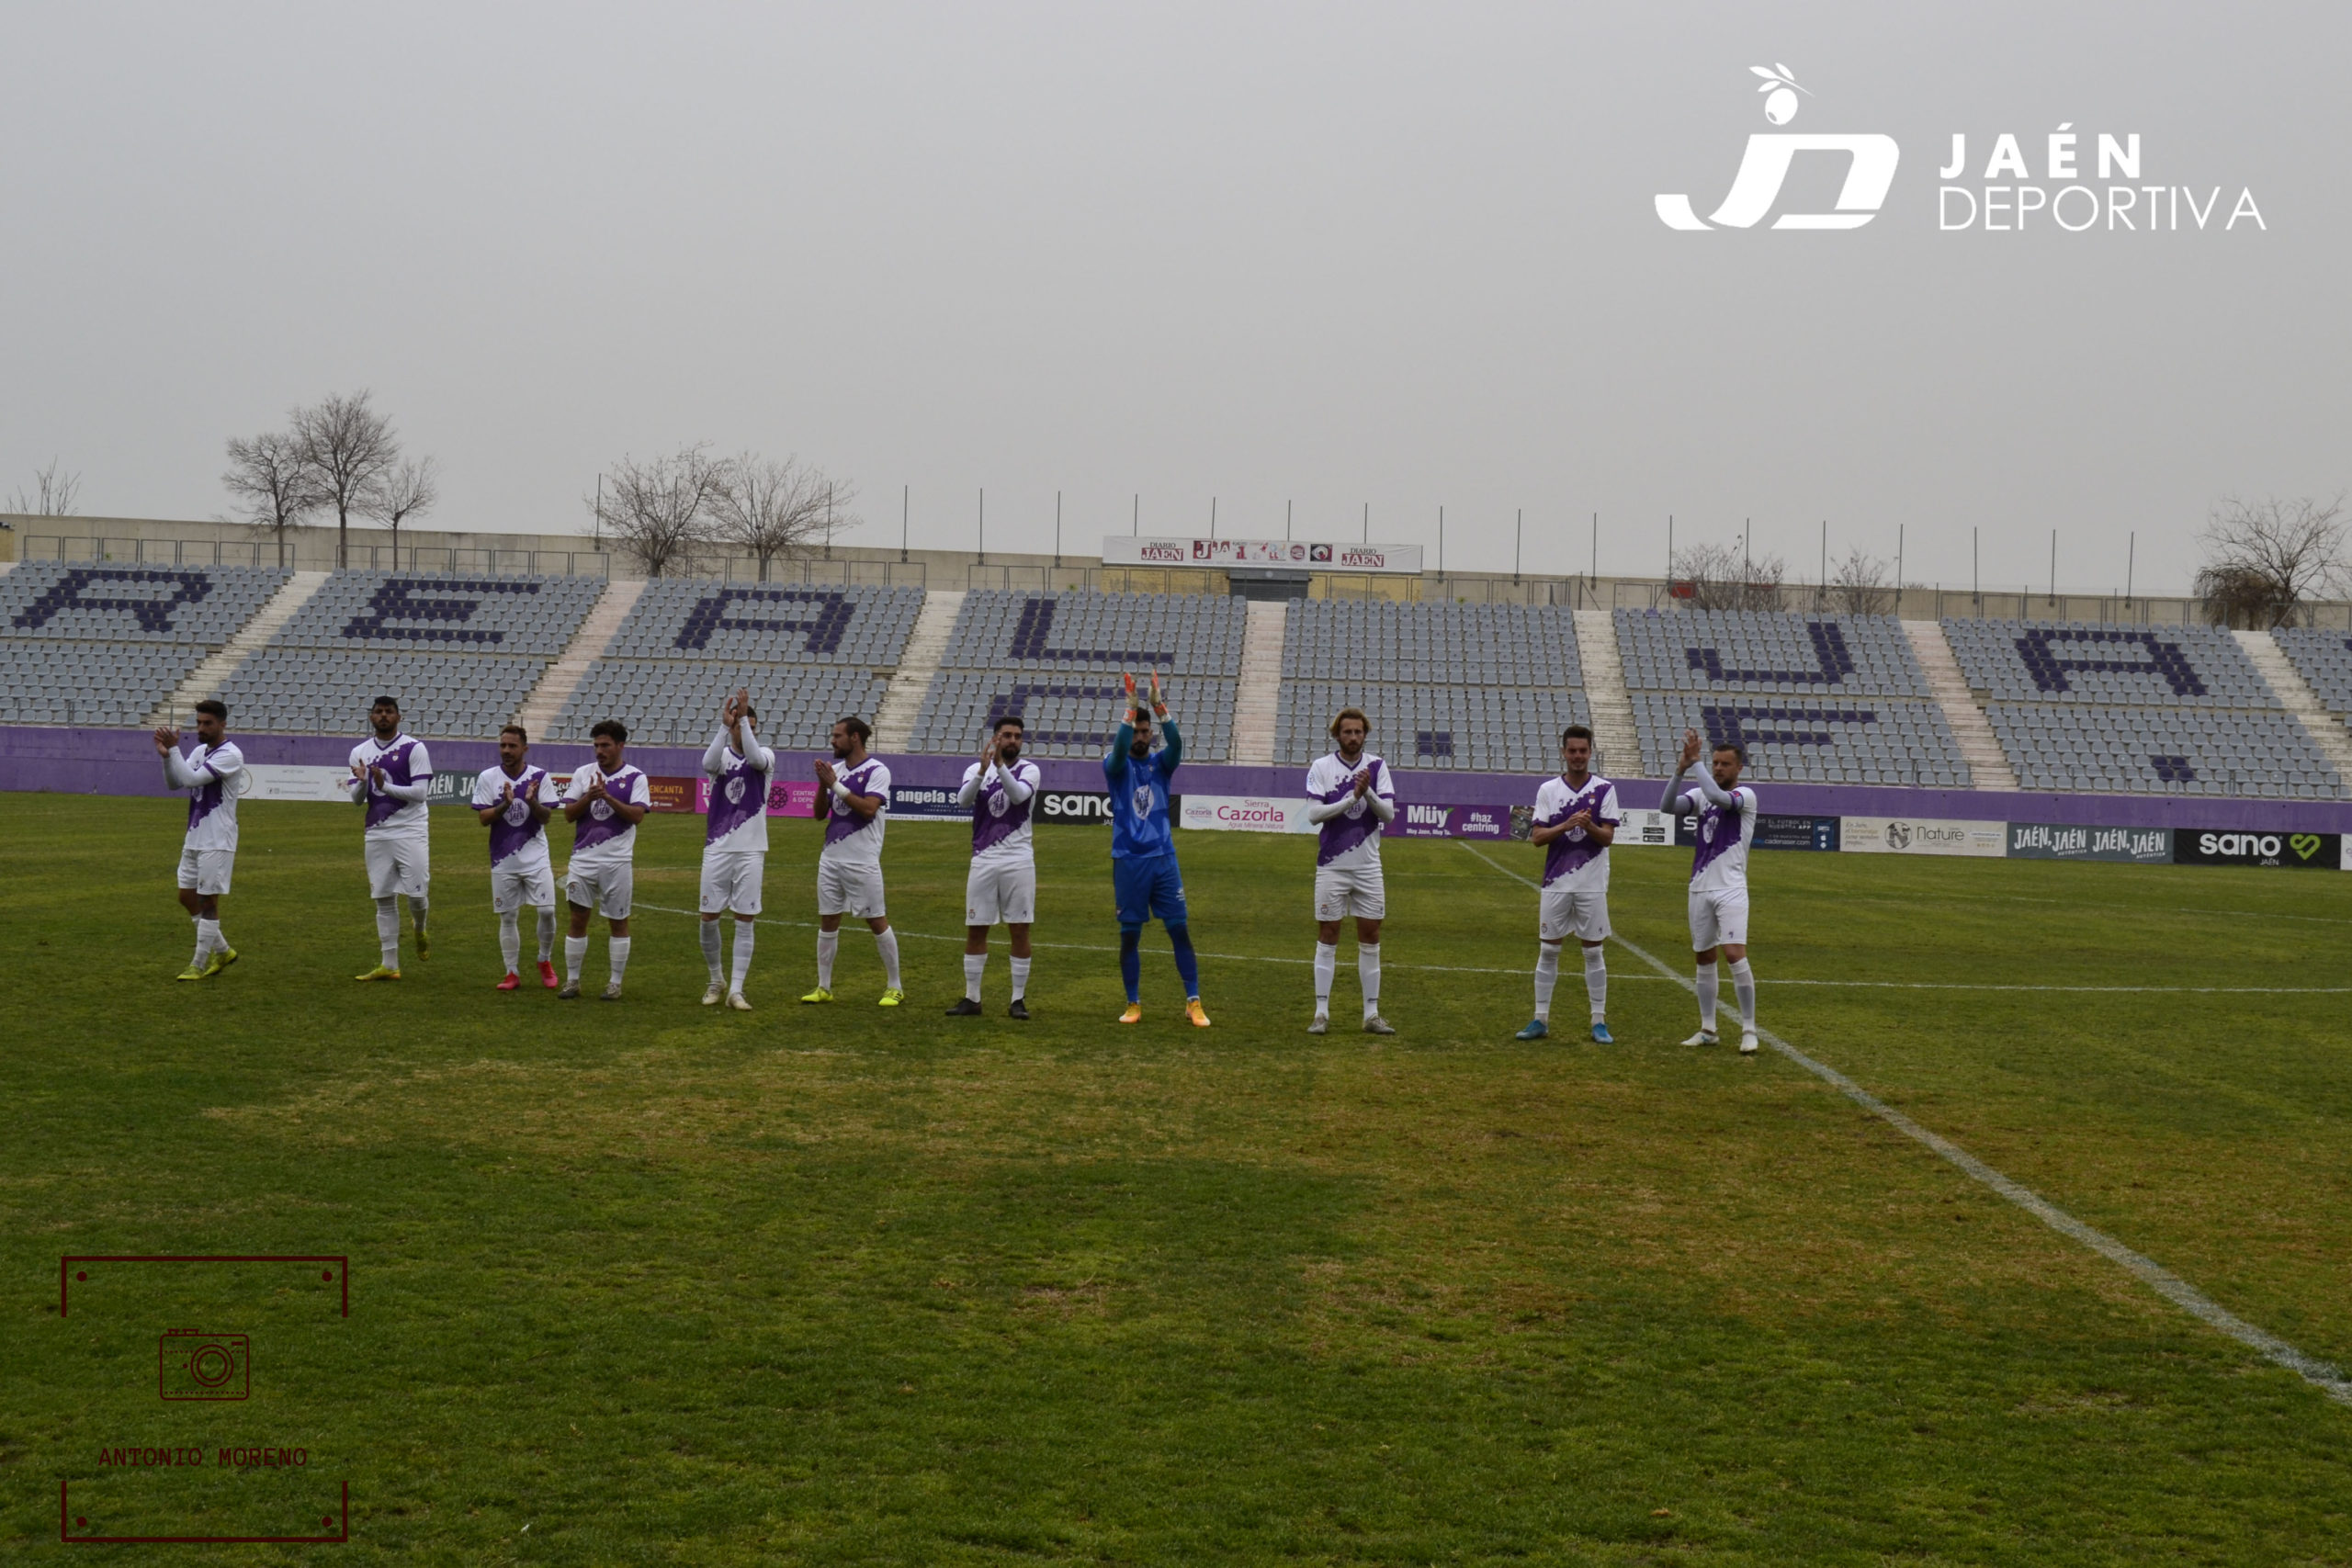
<point x="1143" y="850"/>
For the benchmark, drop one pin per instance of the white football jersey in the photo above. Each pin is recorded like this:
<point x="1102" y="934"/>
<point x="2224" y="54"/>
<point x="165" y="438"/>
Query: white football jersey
<point x="1351" y="839"/>
<point x="852" y="840"/>
<point x="601" y="839"/>
<point x="514" y="836"/>
<point x="214" y="776"/>
<point x="405" y="763"/>
<point x="1720" y="863"/>
<point x="1575" y="862"/>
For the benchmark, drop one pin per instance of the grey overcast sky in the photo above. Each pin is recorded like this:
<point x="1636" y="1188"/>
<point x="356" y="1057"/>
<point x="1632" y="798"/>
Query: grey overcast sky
<point x="1268" y="253"/>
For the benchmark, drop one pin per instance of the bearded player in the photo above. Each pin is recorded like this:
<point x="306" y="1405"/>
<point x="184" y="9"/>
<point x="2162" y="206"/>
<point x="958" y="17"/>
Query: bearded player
<point x="1726" y="813"/>
<point x="214" y="775"/>
<point x="849" y="868"/>
<point x="735" y="843"/>
<point x="1350" y="794"/>
<point x="1144" y="877"/>
<point x="1575" y="821"/>
<point x="513" y="800"/>
<point x="998" y="790"/>
<point x="391" y="774"/>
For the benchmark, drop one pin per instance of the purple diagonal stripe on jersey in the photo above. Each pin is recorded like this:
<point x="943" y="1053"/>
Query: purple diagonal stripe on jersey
<point x="205" y="800"/>
<point x="995" y="815"/>
<point x="595" y="829"/>
<point x="508" y="836"/>
<point x="841" y="822"/>
<point x="1563" y="855"/>
<point x="395" y="763"/>
<point x="738" y="794"/>
<point x="1718" y="832"/>
<point x="1343" y="833"/>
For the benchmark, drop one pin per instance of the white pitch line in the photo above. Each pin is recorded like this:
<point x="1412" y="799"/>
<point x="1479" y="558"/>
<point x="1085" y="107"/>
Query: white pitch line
<point x="1672" y="978"/>
<point x="2157" y="1277"/>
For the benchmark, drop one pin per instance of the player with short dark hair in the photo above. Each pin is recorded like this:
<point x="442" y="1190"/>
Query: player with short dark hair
<point x="1575" y="821"/>
<point x="607" y="801"/>
<point x="1726" y="813"/>
<point x="1145" y="880"/>
<point x="998" y="790"/>
<point x="513" y="800"/>
<point x="214" y="775"/>
<point x="390" y="776"/>
<point x="735" y="843"/>
<point x="849" y="868"/>
<point x="1350" y="793"/>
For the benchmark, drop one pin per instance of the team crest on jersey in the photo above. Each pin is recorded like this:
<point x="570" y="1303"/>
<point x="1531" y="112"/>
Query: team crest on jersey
<point x="998" y="803"/>
<point x="518" y="811"/>
<point x="1143" y="802"/>
<point x="601" y="811"/>
<point x="735" y="791"/>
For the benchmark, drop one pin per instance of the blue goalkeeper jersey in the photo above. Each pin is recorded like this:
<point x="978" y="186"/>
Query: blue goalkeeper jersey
<point x="1140" y="824"/>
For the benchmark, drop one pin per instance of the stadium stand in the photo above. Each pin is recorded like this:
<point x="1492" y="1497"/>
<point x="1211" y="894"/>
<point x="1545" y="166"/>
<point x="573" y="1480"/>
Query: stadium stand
<point x="1055" y="659"/>
<point x="1446" y="686"/>
<point x="2172" y="710"/>
<point x="2324" y="659"/>
<point x="808" y="655"/>
<point x="461" y="653"/>
<point x="93" y="644"/>
<point x="1831" y="699"/>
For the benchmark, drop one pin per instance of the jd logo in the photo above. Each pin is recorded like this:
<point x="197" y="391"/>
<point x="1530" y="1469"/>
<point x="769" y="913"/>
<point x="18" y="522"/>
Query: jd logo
<point x="2305" y="845"/>
<point x="1766" y="164"/>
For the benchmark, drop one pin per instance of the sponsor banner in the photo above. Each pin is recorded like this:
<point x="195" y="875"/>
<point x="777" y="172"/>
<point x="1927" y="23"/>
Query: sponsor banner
<point x="2050" y="840"/>
<point x="2346" y="851"/>
<point x="917" y="801"/>
<point x="1245" y="813"/>
<point x="2200" y="846"/>
<point x="290" y="781"/>
<point x="1078" y="806"/>
<point x="672" y="795"/>
<point x="1922" y="836"/>
<point x="1126" y="549"/>
<point x="786" y="798"/>
<point x="1638" y="827"/>
<point x="1414" y="821"/>
<point x="1772" y="832"/>
<point x="451" y="789"/>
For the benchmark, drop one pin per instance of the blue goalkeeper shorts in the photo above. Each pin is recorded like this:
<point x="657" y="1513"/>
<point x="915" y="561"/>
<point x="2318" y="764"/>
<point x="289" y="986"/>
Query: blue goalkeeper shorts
<point x="1145" y="886"/>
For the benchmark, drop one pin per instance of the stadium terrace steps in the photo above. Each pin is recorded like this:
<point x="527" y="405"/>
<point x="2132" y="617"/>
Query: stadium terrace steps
<point x="1988" y="764"/>
<point x="2326" y="729"/>
<point x="211" y="675"/>
<point x="894" y="721"/>
<point x="539" y="709"/>
<point x="1614" y="741"/>
<point x="1259" y="702"/>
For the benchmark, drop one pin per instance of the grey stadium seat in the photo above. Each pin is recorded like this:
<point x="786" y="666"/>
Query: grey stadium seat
<point x="93" y="643"/>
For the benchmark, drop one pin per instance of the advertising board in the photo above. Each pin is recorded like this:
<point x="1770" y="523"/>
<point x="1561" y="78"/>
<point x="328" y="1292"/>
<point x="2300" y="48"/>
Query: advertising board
<point x="1244" y="814"/>
<point x="2055" y="840"/>
<point x="1772" y="832"/>
<point x="2219" y="846"/>
<point x="1921" y="836"/>
<point x="786" y="798"/>
<point x="290" y="781"/>
<point x="1128" y="549"/>
<point x="919" y="801"/>
<point x="1417" y="821"/>
<point x="1079" y="808"/>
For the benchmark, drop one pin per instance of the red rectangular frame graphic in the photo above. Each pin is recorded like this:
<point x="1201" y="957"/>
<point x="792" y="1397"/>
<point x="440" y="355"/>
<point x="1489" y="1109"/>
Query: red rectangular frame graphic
<point x="65" y="1268"/>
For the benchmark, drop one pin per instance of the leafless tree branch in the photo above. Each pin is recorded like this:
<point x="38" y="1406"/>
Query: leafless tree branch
<point x="348" y="448"/>
<point x="2265" y="558"/>
<point x="1721" y="577"/>
<point x="773" y="508"/>
<point x="1858" y="586"/>
<point x="274" y="486"/>
<point x="52" y="495"/>
<point x="411" y="490"/>
<point x="658" y="510"/>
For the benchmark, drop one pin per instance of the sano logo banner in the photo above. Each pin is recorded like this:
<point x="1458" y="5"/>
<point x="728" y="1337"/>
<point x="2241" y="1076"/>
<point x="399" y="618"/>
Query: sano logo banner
<point x="2201" y="846"/>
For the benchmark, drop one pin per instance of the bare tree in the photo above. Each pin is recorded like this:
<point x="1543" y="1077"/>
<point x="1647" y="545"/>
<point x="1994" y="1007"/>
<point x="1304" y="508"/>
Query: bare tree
<point x="1723" y="577"/>
<point x="2265" y="558"/>
<point x="772" y="508"/>
<point x="412" y="490"/>
<point x="349" y="447"/>
<point x="52" y="495"/>
<point x="274" y="486"/>
<point x="660" y="510"/>
<point x="1859" y="586"/>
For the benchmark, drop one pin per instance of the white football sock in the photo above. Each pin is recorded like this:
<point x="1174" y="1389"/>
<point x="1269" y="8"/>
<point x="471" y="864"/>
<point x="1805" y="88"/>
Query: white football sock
<point x="1020" y="978"/>
<point x="1743" y="985"/>
<point x="575" y="957"/>
<point x="1596" y="982"/>
<point x="387" y="931"/>
<point x="203" y="946"/>
<point x="618" y="949"/>
<point x="710" y="958"/>
<point x="828" y="944"/>
<point x="546" y="933"/>
<point x="416" y="915"/>
<point x="208" y="939"/>
<point x="975" y="965"/>
<point x="1547" y="975"/>
<point x="742" y="967"/>
<point x="1707" y="997"/>
<point x="886" y="944"/>
<point x="1326" y="964"/>
<point x="510" y="939"/>
<point x="1368" y="974"/>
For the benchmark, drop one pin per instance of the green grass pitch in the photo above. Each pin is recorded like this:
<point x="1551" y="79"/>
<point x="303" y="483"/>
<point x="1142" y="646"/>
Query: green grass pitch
<point x="655" y="1283"/>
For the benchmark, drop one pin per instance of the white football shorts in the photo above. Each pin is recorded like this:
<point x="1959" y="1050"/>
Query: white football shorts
<point x="850" y="887"/>
<point x="207" y="871"/>
<point x="1344" y="890"/>
<point x="1718" y="918"/>
<point x="398" y="864"/>
<point x="602" y="890"/>
<point x="1581" y="913"/>
<point x="730" y="880"/>
<point x="521" y="879"/>
<point x="1002" y="890"/>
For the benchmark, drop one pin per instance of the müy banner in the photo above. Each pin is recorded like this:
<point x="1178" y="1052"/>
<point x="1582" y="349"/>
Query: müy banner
<point x="1301" y="555"/>
<point x="1451" y="822"/>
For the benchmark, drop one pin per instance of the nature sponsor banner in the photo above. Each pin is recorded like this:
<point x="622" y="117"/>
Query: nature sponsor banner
<point x="1126" y="549"/>
<point x="2222" y="846"/>
<point x="1772" y="832"/>
<point x="301" y="781"/>
<point x="1922" y="836"/>
<point x="2053" y="841"/>
<point x="786" y="798"/>
<point x="1245" y="813"/>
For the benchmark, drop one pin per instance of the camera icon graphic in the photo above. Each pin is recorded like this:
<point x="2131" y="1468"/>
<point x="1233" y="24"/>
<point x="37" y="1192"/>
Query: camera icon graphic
<point x="192" y="1364"/>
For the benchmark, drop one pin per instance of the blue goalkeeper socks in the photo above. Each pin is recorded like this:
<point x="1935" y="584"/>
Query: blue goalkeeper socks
<point x="1131" y="963"/>
<point x="1188" y="966"/>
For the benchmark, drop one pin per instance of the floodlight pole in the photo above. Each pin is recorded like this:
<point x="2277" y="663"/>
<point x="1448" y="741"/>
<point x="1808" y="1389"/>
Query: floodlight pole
<point x="1518" y="536"/>
<point x="1367" y="522"/>
<point x="1441" y="541"/>
<point x="905" y="493"/>
<point x="1057" y="530"/>
<point x="984" y="525"/>
<point x="1134" y="524"/>
<point x="2053" y="566"/>
<point x="1212" y="519"/>
<point x="1595" y="573"/>
<point x="1286" y="522"/>
<point x="2130" y="558"/>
